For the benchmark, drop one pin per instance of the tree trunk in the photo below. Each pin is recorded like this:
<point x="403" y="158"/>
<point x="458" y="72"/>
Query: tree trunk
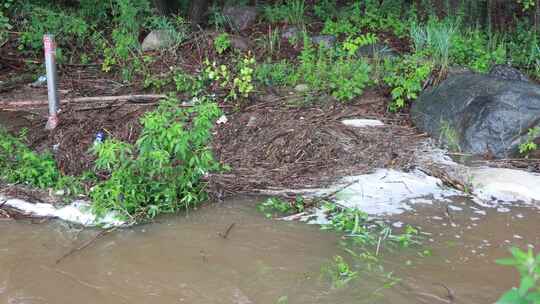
<point x="198" y="11"/>
<point x="167" y="7"/>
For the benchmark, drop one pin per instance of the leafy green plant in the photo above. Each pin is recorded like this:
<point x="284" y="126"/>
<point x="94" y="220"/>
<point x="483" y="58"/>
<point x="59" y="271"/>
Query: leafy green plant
<point x="222" y="43"/>
<point x="239" y="82"/>
<point x="528" y="266"/>
<point x="529" y="145"/>
<point x="19" y="164"/>
<point x="341" y="76"/>
<point x="351" y="45"/>
<point x="405" y="77"/>
<point x="339" y="272"/>
<point x="275" y="205"/>
<point x="189" y="84"/>
<point x="162" y="172"/>
<point x="69" y="29"/>
<point x="473" y="49"/>
<point x="325" y="9"/>
<point x="340" y="26"/>
<point x="5" y="24"/>
<point x="276" y="74"/>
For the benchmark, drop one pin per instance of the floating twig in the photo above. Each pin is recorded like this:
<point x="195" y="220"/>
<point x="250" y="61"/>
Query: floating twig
<point x="87" y="243"/>
<point x="226" y="234"/>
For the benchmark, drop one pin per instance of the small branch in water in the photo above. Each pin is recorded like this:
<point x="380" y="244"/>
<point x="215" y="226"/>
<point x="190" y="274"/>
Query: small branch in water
<point x="450" y="295"/>
<point x="226" y="234"/>
<point x="86" y="244"/>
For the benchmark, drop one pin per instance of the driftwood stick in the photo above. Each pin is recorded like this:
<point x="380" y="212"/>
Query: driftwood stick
<point x="226" y="234"/>
<point x="96" y="99"/>
<point x="86" y="244"/>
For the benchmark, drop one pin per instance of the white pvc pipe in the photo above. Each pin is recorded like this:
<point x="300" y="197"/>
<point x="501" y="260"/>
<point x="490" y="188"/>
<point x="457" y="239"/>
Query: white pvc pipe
<point x="50" y="66"/>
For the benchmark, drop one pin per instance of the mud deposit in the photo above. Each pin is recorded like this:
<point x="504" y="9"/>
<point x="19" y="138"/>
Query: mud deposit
<point x="183" y="259"/>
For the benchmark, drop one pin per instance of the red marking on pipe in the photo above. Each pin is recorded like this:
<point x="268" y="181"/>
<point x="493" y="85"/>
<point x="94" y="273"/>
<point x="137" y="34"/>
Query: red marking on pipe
<point x="49" y="46"/>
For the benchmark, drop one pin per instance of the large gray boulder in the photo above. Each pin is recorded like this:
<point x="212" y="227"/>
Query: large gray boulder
<point x="481" y="114"/>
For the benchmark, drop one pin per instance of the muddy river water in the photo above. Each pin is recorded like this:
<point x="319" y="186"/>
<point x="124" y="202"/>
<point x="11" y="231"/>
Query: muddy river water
<point x="182" y="259"/>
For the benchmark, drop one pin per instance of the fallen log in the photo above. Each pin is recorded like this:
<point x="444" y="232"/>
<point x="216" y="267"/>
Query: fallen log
<point x="97" y="99"/>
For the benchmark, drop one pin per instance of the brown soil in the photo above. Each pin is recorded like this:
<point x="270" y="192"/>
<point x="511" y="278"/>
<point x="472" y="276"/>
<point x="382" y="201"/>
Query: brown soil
<point x="72" y="139"/>
<point x="276" y="142"/>
<point x="277" y="145"/>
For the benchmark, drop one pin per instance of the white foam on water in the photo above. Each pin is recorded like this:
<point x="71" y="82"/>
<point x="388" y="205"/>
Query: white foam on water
<point x="389" y="191"/>
<point x="77" y="212"/>
<point x="507" y="185"/>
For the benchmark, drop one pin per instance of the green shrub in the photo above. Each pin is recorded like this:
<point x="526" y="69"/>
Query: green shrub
<point x="162" y="172"/>
<point x="405" y="77"/>
<point x="276" y="74"/>
<point x="324" y="70"/>
<point x="20" y="165"/>
<point x="69" y="29"/>
<point x="5" y="24"/>
<point x="473" y="49"/>
<point x="237" y="80"/>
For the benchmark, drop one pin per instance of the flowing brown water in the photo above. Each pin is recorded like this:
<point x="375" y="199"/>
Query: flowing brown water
<point x="182" y="259"/>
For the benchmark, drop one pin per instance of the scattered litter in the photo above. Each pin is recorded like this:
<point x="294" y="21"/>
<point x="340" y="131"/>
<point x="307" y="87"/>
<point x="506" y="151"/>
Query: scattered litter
<point x="482" y="212"/>
<point x="517" y="236"/>
<point x="398" y="224"/>
<point x="222" y="120"/>
<point x="40" y="82"/>
<point x="361" y="123"/>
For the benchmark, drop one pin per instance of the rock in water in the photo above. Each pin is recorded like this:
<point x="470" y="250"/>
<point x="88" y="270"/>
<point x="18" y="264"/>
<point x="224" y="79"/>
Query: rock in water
<point x="156" y="40"/>
<point x="241" y="16"/>
<point x="481" y="114"/>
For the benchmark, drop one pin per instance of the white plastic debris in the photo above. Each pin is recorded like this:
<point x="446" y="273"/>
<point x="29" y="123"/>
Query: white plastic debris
<point x="362" y="123"/>
<point x="222" y="120"/>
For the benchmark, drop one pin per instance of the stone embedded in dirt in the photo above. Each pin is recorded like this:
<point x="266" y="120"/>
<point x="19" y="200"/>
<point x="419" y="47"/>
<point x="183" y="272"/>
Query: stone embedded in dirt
<point x="157" y="40"/>
<point x="301" y="88"/>
<point x="241" y="16"/>
<point x="506" y="72"/>
<point x="380" y="50"/>
<point x="479" y="114"/>
<point x="326" y="40"/>
<point x="290" y="32"/>
<point x="239" y="42"/>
